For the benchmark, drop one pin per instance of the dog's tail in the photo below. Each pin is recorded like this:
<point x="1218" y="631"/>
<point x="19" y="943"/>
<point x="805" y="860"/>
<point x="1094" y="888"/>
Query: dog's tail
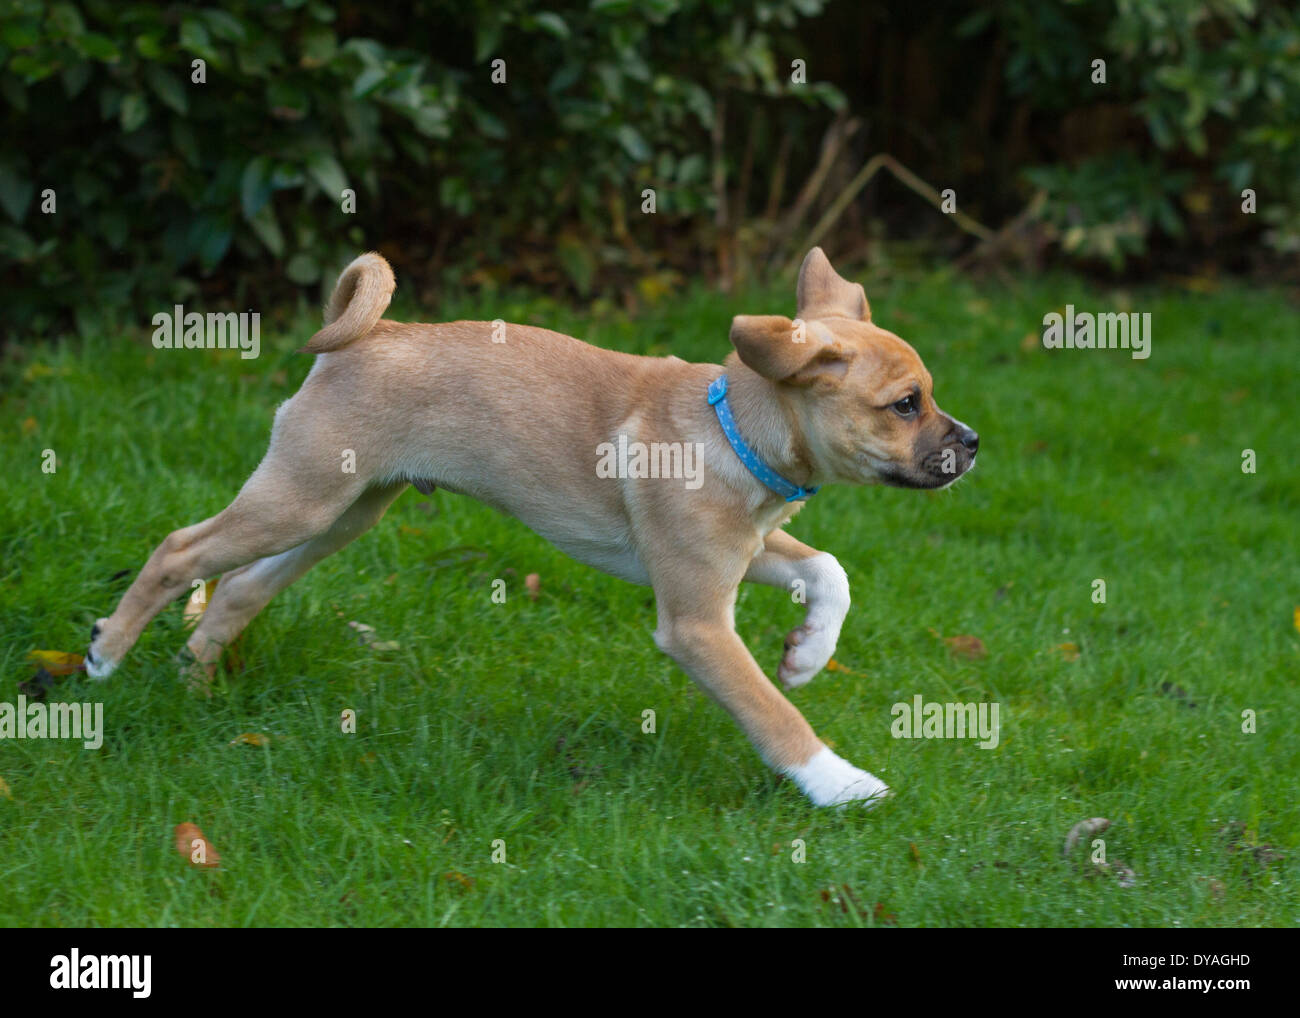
<point x="358" y="302"/>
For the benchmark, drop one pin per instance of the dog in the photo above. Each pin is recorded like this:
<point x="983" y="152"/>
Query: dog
<point x="516" y="416"/>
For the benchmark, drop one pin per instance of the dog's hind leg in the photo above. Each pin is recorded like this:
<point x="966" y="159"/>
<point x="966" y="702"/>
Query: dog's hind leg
<point x="328" y="445"/>
<point x="297" y="493"/>
<point x="243" y="593"/>
<point x="813" y="576"/>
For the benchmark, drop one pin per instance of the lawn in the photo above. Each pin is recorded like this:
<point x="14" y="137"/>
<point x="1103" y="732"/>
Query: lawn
<point x="517" y="729"/>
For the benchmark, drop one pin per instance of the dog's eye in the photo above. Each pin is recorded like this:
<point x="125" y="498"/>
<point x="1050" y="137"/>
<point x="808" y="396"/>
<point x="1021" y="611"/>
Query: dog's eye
<point x="905" y="407"/>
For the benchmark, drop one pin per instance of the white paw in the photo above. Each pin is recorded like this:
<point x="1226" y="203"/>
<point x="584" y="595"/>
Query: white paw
<point x="830" y="780"/>
<point x="807" y="649"/>
<point x="99" y="667"/>
<point x="810" y="646"/>
<point x="98" y="664"/>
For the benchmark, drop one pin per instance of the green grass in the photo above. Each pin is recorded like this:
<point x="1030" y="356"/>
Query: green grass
<point x="522" y="721"/>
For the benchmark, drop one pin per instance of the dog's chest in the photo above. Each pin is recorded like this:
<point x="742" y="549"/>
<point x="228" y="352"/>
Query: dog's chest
<point x="774" y="516"/>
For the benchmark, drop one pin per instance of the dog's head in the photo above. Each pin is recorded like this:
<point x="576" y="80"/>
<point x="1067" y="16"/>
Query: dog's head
<point x="863" y="399"/>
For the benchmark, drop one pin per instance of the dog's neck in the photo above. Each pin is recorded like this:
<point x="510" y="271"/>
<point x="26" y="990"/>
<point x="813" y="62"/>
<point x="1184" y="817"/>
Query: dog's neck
<point x="768" y="423"/>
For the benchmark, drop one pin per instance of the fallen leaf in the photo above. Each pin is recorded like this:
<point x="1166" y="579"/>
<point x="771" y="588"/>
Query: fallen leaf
<point x="533" y="584"/>
<point x="1069" y="651"/>
<point x="5" y="791"/>
<point x="456" y="877"/>
<point x="197" y="603"/>
<point x="410" y="531"/>
<point x="882" y="916"/>
<point x="57" y="662"/>
<point x="1031" y="342"/>
<point x="969" y="647"/>
<point x="195" y="846"/>
<point x="251" y="739"/>
<point x="914" y="852"/>
<point x="1083" y="829"/>
<point x="1295" y="618"/>
<point x="834" y="666"/>
<point x="29" y="426"/>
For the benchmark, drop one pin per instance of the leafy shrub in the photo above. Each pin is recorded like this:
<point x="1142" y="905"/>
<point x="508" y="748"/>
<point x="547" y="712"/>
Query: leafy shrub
<point x="168" y="188"/>
<point x="160" y="178"/>
<point x="1215" y="83"/>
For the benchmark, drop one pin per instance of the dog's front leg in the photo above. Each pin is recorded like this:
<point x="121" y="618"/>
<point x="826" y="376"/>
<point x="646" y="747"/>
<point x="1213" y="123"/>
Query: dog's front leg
<point x="812" y="576"/>
<point x="696" y="629"/>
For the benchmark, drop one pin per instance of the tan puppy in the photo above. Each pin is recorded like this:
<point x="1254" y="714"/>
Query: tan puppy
<point x="534" y="423"/>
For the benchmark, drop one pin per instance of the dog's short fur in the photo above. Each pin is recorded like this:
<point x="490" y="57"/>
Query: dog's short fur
<point x="517" y="424"/>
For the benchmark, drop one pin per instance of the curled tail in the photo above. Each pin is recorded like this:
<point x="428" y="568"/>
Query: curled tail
<point x="358" y="302"/>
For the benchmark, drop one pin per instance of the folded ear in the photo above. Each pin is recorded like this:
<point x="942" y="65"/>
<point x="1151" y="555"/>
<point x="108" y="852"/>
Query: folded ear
<point x="795" y="352"/>
<point x="822" y="293"/>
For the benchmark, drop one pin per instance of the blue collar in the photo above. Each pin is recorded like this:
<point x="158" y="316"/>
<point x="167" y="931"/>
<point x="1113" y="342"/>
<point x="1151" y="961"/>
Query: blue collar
<point x="753" y="462"/>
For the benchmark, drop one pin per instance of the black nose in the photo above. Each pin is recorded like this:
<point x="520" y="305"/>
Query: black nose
<point x="970" y="439"/>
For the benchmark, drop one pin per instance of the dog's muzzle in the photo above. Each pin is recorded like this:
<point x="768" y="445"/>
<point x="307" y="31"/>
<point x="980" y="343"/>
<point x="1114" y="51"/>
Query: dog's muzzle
<point x="941" y="465"/>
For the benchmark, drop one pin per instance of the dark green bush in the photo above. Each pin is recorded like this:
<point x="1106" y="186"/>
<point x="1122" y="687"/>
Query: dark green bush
<point x="1214" y="83"/>
<point x="167" y="189"/>
<point x="160" y="179"/>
